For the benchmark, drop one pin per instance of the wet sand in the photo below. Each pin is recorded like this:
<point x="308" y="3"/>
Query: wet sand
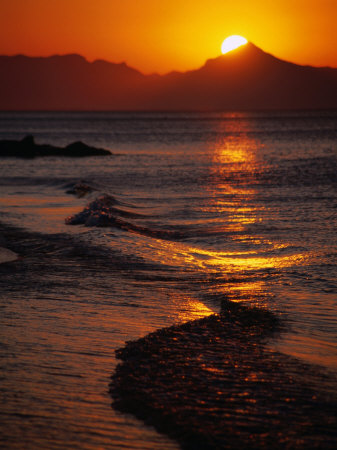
<point x="60" y="325"/>
<point x="213" y="384"/>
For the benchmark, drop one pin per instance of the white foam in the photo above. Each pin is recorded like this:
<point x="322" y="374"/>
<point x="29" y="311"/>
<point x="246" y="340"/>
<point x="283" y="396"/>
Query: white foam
<point x="7" y="255"/>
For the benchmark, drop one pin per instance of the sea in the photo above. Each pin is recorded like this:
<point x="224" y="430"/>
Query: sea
<point x="189" y="209"/>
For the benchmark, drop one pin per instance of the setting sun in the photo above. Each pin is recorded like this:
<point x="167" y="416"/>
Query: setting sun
<point x="232" y="42"/>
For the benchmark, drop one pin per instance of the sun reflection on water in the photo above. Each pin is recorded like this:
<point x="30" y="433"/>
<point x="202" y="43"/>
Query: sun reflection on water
<point x="190" y="308"/>
<point x="233" y="211"/>
<point x="189" y="256"/>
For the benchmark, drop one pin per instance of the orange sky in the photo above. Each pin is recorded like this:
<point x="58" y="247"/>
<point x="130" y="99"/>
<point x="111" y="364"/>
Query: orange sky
<point x="164" y="35"/>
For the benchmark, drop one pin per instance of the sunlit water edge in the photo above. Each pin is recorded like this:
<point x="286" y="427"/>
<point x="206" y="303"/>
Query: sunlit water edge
<point x="47" y="214"/>
<point x="218" y="267"/>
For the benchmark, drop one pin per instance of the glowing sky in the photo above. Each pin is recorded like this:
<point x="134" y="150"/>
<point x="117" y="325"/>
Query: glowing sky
<point x="164" y="35"/>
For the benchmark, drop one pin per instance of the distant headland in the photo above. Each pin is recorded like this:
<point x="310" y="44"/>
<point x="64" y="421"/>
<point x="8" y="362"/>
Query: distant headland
<point x="244" y="79"/>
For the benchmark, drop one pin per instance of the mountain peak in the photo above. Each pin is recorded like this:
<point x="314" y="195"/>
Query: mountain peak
<point x="244" y="78"/>
<point x="248" y="50"/>
<point x="244" y="58"/>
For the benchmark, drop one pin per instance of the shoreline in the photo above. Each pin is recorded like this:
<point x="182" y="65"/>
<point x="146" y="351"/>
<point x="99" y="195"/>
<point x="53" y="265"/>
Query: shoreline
<point x="246" y="203"/>
<point x="212" y="383"/>
<point x="57" y="368"/>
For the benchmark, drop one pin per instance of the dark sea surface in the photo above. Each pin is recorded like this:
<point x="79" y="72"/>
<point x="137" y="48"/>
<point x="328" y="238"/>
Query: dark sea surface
<point x="190" y="209"/>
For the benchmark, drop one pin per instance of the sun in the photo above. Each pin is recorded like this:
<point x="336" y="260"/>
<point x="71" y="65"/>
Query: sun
<point x="232" y="42"/>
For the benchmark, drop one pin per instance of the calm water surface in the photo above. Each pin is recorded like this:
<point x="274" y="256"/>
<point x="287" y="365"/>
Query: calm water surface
<point x="207" y="205"/>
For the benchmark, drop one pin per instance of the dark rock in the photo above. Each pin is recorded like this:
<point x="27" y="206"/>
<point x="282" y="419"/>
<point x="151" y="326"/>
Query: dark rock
<point x="80" y="149"/>
<point x="27" y="148"/>
<point x="28" y="141"/>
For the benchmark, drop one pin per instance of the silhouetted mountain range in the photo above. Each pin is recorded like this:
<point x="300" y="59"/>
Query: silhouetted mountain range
<point x="246" y="78"/>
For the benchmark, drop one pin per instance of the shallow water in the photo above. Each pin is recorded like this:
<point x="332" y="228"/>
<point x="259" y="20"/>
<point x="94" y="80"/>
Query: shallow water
<point x="206" y="205"/>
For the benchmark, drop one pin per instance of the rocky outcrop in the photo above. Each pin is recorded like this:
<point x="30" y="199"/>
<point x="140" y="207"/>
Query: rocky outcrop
<point x="27" y="148"/>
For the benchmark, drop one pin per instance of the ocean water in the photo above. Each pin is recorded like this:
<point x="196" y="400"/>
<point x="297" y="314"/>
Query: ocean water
<point x="189" y="209"/>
